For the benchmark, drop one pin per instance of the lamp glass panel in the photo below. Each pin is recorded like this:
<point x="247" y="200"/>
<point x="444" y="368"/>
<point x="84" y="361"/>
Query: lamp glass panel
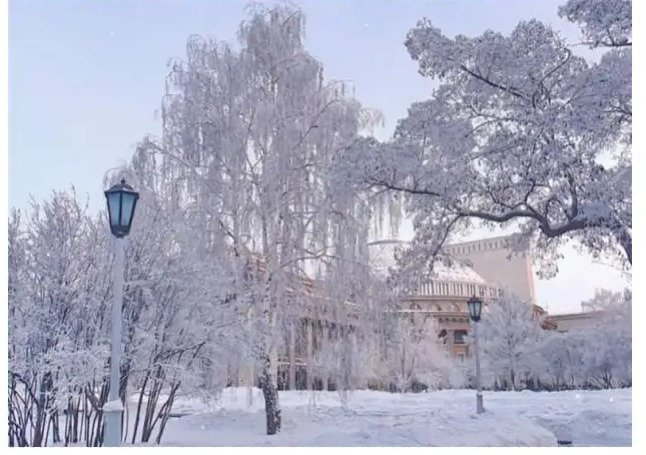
<point x="127" y="209"/>
<point x="113" y="207"/>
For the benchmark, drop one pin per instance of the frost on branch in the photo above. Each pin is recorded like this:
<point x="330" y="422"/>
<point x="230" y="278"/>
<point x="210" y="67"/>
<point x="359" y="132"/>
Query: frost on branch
<point x="521" y="131"/>
<point x="599" y="356"/>
<point x="606" y="23"/>
<point x="509" y="340"/>
<point x="249" y="137"/>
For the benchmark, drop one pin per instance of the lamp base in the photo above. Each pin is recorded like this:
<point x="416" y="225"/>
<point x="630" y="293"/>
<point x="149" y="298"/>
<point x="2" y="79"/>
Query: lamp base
<point x="479" y="405"/>
<point x="112" y="429"/>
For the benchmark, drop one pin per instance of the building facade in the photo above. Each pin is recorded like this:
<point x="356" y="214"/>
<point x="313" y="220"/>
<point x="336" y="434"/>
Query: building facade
<point x="500" y="263"/>
<point x="575" y="321"/>
<point x="483" y="269"/>
<point x="443" y="297"/>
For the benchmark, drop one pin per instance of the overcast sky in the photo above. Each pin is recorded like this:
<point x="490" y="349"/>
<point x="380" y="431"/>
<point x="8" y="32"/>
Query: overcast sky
<point x="86" y="80"/>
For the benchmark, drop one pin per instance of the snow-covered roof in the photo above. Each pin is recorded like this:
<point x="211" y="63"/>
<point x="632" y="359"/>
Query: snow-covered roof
<point x="382" y="257"/>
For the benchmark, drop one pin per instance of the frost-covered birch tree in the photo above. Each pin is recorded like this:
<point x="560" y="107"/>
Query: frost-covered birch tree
<point x="252" y="131"/>
<point x="520" y="131"/>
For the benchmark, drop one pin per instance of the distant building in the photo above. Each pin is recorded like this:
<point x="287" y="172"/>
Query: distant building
<point x="575" y="321"/>
<point x="495" y="261"/>
<point x="444" y="296"/>
<point x="483" y="269"/>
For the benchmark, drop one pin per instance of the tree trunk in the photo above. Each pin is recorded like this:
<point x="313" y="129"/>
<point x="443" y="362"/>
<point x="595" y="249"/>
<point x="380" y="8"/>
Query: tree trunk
<point x="626" y="241"/>
<point x="309" y="348"/>
<point x="512" y="377"/>
<point x="270" y="393"/>
<point x="292" y="357"/>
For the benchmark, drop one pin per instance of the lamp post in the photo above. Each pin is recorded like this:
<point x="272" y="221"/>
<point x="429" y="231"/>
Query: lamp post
<point x="121" y="199"/>
<point x="475" y="311"/>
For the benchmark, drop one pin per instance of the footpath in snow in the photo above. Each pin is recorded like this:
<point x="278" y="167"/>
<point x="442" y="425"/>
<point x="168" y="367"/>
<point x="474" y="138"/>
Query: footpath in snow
<point x="443" y="418"/>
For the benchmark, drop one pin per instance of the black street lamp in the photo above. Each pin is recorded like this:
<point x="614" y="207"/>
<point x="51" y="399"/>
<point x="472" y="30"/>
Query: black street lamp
<point x="475" y="308"/>
<point x="475" y="311"/>
<point x="122" y="200"/>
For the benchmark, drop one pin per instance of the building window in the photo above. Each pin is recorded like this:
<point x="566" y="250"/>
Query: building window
<point x="460" y="358"/>
<point x="458" y="336"/>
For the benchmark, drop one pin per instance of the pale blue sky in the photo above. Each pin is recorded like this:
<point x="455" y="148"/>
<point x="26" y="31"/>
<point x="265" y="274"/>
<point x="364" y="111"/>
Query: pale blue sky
<point x="86" y="79"/>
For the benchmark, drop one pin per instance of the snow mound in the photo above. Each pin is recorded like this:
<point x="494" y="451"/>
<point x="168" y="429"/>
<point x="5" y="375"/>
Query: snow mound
<point x="600" y="418"/>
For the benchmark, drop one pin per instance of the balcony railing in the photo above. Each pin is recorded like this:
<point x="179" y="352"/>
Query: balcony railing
<point x="436" y="288"/>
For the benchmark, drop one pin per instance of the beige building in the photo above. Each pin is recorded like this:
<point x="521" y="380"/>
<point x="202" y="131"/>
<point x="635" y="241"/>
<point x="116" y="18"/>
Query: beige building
<point x="494" y="261"/>
<point x="483" y="269"/>
<point x="443" y="297"/>
<point x="487" y="267"/>
<point x="575" y="321"/>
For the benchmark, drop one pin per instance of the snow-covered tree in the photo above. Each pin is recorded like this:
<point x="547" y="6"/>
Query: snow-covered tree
<point x="252" y="133"/>
<point x="416" y="356"/>
<point x="57" y="344"/>
<point x="603" y="23"/>
<point x="343" y="361"/>
<point x="608" y="357"/>
<point x="509" y="339"/>
<point x="562" y="360"/>
<point x="521" y="130"/>
<point x="181" y="326"/>
<point x="599" y="356"/>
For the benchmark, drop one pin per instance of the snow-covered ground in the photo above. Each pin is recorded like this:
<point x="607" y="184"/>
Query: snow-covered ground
<point x="588" y="418"/>
<point x="443" y="418"/>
